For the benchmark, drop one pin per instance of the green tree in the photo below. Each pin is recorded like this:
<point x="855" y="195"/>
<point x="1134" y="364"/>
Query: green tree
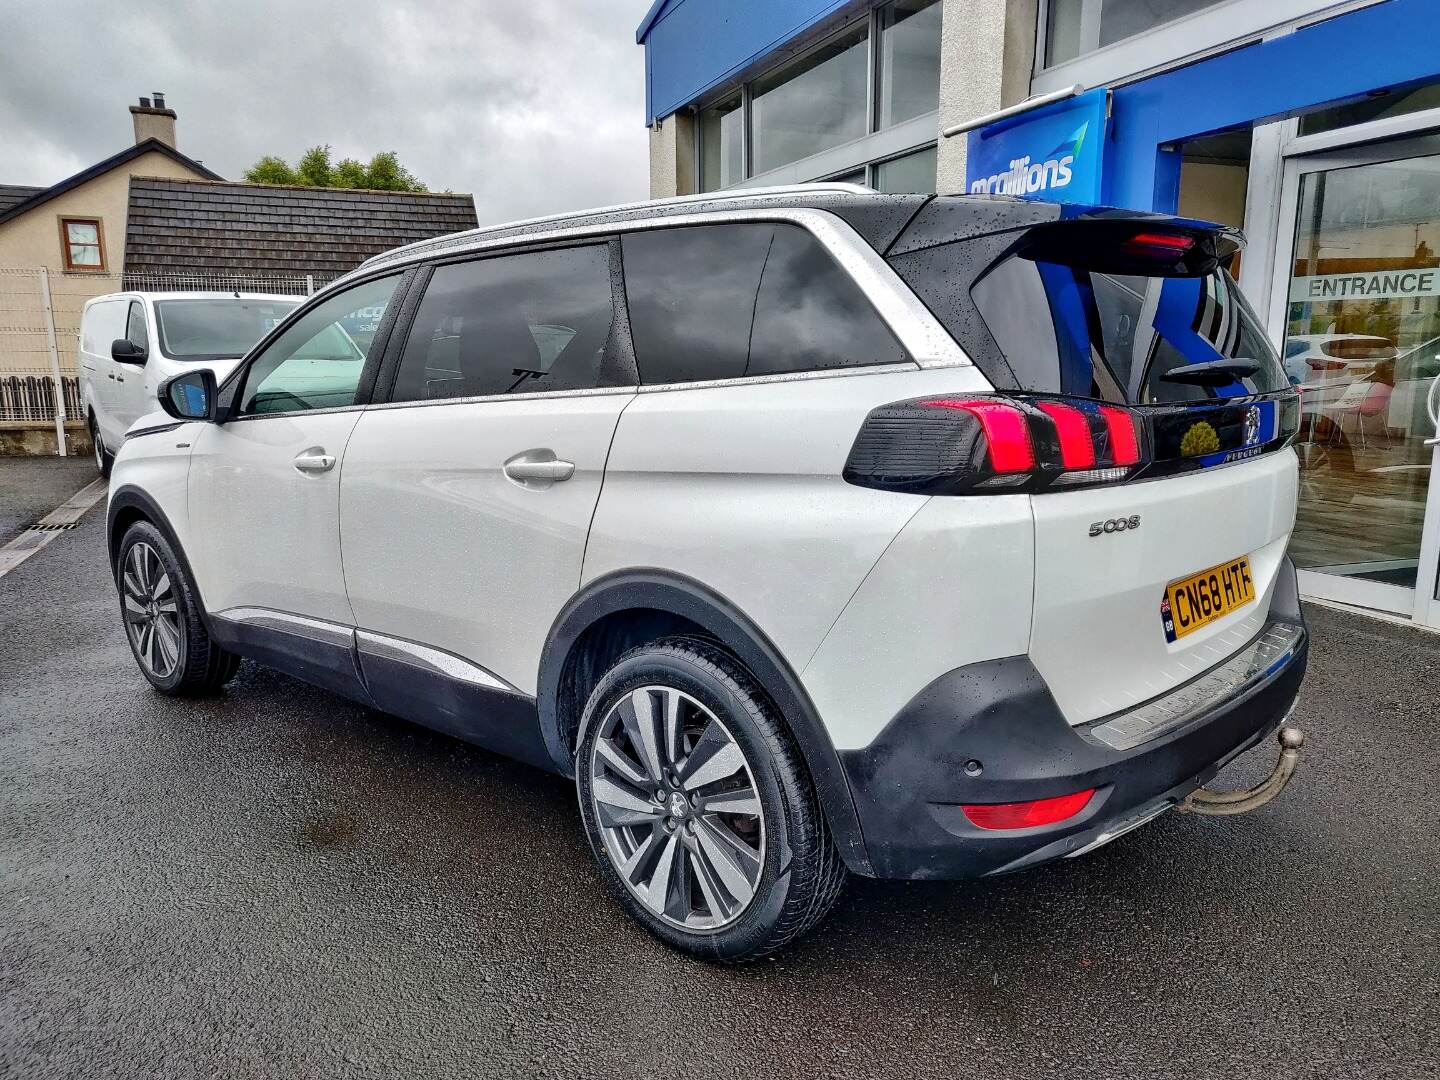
<point x="270" y="170"/>
<point x="315" y="169"/>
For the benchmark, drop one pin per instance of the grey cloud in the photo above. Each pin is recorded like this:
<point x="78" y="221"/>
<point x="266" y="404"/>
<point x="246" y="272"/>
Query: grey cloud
<point x="534" y="107"/>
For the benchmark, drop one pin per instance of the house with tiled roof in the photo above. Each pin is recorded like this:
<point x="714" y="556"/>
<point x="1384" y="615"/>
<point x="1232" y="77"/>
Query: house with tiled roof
<point x="150" y="217"/>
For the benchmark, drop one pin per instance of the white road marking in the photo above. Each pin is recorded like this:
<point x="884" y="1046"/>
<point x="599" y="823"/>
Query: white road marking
<point x="50" y="526"/>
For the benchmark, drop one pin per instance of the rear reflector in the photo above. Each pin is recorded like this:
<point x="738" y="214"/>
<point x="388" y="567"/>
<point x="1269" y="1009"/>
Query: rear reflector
<point x="1027" y="815"/>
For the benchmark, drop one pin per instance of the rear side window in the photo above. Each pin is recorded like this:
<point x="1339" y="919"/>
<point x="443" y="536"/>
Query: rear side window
<point x="726" y="301"/>
<point x="513" y="324"/>
<point x="104" y="322"/>
<point x="1089" y="327"/>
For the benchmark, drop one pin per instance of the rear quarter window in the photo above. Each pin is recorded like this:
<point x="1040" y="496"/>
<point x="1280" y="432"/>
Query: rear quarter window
<point x="727" y="301"/>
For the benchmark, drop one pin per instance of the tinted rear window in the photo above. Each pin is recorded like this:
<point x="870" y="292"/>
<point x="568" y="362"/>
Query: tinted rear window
<point x="725" y="301"/>
<point x="1116" y="336"/>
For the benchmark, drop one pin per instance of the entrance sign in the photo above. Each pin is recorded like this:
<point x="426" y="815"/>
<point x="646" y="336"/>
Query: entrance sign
<point x="1370" y="285"/>
<point x="1055" y="152"/>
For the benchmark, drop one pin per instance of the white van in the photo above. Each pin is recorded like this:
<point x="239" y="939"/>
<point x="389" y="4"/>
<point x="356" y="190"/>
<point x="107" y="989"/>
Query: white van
<point x="132" y="342"/>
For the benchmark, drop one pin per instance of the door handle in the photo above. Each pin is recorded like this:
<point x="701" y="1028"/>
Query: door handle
<point x="314" y="461"/>
<point x="538" y="468"/>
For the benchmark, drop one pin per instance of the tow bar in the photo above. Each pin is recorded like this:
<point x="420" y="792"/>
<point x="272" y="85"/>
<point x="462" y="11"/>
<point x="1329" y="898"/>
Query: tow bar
<point x="1220" y="803"/>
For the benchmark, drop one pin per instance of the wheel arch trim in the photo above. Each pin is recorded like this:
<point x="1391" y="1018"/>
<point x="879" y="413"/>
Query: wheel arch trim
<point x="130" y="498"/>
<point x="675" y="594"/>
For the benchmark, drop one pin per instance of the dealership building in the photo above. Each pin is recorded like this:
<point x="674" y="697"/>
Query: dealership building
<point x="1314" y="125"/>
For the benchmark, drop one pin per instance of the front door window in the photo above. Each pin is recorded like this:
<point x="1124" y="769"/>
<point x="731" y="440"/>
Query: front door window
<point x="1363" y="345"/>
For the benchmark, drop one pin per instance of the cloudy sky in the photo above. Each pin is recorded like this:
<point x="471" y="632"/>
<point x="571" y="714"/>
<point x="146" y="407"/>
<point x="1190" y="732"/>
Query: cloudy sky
<point x="534" y="106"/>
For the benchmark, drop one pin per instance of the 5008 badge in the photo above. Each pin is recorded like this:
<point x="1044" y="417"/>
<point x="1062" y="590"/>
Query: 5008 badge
<point x="1114" y="525"/>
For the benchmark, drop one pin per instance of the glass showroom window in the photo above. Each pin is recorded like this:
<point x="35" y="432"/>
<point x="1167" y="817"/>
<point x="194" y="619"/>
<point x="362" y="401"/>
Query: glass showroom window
<point x="821" y="100"/>
<point x="909" y="61"/>
<point x="722" y="144"/>
<point x="1076" y="27"/>
<point x="906" y="175"/>
<point x="811" y="105"/>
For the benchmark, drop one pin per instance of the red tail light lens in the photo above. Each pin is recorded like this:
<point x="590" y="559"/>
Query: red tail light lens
<point x="1006" y="431"/>
<point x="1027" y="815"/>
<point x="1077" y="446"/>
<point x="1124" y="447"/>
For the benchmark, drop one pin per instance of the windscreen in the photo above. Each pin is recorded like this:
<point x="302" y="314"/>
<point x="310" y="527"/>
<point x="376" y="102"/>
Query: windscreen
<point x="214" y="328"/>
<point x="1096" y="323"/>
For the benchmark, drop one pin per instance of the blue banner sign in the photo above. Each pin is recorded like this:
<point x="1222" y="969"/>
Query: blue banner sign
<point x="1055" y="152"/>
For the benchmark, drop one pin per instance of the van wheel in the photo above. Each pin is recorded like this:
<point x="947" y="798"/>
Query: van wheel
<point x="103" y="458"/>
<point x="699" y="807"/>
<point x="162" y="618"/>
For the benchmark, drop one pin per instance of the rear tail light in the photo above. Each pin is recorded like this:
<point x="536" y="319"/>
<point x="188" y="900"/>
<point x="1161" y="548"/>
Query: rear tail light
<point x="975" y="445"/>
<point x="1027" y="815"/>
<point x="999" y="443"/>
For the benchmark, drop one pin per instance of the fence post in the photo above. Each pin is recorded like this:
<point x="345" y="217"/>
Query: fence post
<point x="309" y="284"/>
<point x="54" y="363"/>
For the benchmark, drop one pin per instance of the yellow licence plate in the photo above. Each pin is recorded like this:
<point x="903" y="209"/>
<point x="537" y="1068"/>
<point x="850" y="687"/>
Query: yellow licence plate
<point x="1192" y="602"/>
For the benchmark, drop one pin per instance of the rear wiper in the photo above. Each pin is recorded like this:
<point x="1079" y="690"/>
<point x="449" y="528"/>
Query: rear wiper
<point x="1213" y="372"/>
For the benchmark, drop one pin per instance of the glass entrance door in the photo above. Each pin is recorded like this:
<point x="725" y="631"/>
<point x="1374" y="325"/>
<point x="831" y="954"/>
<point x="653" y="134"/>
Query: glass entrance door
<point x="1362" y="342"/>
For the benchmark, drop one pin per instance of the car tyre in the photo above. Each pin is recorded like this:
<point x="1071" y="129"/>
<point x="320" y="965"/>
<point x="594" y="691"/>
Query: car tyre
<point x="104" y="460"/>
<point x="748" y="865"/>
<point x="162" y="618"/>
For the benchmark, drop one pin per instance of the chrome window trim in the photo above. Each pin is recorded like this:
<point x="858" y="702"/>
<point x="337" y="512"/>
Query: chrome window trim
<point x="480" y="399"/>
<point x="241" y="418"/>
<point x="426" y="658"/>
<point x="921" y="334"/>
<point x="299" y="625"/>
<point x="779" y="377"/>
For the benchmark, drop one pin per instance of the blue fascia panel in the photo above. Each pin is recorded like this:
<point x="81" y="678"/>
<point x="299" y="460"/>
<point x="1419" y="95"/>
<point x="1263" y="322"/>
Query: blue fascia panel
<point x="692" y="46"/>
<point x="1393" y="44"/>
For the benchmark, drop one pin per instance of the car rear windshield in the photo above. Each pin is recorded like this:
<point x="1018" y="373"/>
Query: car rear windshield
<point x="210" y="329"/>
<point x="1079" y="320"/>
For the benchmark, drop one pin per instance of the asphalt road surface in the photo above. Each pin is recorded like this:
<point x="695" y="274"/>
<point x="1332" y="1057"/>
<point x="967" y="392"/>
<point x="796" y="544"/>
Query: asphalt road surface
<point x="278" y="883"/>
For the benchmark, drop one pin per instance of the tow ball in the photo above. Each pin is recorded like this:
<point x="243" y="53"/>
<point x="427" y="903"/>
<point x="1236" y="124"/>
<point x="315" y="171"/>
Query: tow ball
<point x="1221" y="803"/>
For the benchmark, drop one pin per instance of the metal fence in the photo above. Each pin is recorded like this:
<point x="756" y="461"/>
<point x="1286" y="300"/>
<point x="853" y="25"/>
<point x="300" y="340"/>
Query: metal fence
<point x="40" y="327"/>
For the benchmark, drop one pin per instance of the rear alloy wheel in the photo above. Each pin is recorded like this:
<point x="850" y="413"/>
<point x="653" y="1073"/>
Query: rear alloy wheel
<point x="162" y="618"/>
<point x="677" y="808"/>
<point x="698" y="804"/>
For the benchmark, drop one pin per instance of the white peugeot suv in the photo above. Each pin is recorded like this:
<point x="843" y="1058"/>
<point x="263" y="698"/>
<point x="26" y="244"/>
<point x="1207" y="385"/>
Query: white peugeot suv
<point x="810" y="530"/>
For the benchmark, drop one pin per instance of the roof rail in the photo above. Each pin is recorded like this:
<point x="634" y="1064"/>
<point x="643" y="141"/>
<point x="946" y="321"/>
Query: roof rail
<point x="827" y="187"/>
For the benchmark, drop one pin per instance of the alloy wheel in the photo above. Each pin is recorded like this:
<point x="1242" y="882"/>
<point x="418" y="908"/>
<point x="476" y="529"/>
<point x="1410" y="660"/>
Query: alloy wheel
<point x="152" y="618"/>
<point x="677" y="808"/>
<point x="97" y="446"/>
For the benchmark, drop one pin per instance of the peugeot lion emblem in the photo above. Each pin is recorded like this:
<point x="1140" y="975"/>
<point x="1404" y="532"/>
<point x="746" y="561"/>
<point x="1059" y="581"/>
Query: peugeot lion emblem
<point x="1252" y="425"/>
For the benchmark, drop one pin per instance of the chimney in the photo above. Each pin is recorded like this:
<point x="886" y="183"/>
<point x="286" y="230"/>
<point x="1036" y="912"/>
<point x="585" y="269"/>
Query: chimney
<point x="154" y="121"/>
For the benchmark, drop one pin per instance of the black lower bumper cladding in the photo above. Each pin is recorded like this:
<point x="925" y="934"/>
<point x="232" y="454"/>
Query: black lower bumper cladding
<point x="992" y="733"/>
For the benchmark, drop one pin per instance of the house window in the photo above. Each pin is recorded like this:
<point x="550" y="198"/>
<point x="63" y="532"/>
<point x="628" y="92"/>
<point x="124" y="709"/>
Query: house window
<point x="83" y="243"/>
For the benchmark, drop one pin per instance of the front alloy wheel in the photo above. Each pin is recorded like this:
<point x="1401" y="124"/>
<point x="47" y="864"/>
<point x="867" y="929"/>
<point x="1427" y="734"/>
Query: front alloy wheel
<point x="677" y="808"/>
<point x="152" y="617"/>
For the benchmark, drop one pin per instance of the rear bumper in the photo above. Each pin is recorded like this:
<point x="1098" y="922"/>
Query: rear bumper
<point x="909" y="783"/>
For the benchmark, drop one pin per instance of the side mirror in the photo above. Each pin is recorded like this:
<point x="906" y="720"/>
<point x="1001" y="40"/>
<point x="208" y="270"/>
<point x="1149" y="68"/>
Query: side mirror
<point x="190" y="396"/>
<point x="125" y="351"/>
